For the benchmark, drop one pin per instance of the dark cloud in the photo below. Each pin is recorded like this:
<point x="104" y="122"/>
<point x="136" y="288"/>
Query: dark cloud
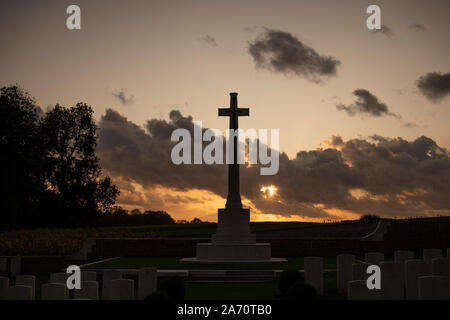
<point x="209" y="40"/>
<point x="410" y="125"/>
<point x="387" y="31"/>
<point x="282" y="52"/>
<point x="417" y="27"/>
<point x="434" y="85"/>
<point x="366" y="103"/>
<point x="121" y="95"/>
<point x="378" y="175"/>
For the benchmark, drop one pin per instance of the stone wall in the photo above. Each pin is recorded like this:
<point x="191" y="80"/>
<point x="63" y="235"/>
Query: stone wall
<point x="185" y="247"/>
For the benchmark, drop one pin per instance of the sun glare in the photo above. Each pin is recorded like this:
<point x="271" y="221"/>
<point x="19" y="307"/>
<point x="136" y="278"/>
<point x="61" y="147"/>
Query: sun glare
<point x="269" y="190"/>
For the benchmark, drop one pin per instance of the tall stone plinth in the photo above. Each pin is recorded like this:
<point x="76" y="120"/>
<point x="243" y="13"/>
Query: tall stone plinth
<point x="233" y="242"/>
<point x="233" y="227"/>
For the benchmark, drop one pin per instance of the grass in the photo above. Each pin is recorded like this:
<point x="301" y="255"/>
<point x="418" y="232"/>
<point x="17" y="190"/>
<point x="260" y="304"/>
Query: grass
<point x="253" y="290"/>
<point x="173" y="263"/>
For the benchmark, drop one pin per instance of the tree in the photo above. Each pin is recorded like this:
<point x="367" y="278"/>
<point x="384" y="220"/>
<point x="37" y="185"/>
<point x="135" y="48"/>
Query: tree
<point x="21" y="176"/>
<point x="73" y="170"/>
<point x="50" y="175"/>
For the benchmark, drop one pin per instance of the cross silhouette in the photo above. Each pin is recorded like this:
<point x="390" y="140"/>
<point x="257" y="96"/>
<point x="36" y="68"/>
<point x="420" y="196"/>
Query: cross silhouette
<point x="234" y="196"/>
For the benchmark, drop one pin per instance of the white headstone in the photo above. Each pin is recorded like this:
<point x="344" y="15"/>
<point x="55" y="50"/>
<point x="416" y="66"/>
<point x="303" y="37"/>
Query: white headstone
<point x="4" y="286"/>
<point x="413" y="270"/>
<point x="403" y="255"/>
<point x="344" y="271"/>
<point x="121" y="289"/>
<point x="430" y="254"/>
<point x="359" y="271"/>
<point x="434" y="288"/>
<point x="89" y="290"/>
<point x="392" y="280"/>
<point x="108" y="276"/>
<point x="88" y="275"/>
<point x="314" y="272"/>
<point x="15" y="266"/>
<point x="54" y="291"/>
<point x="373" y="257"/>
<point x="3" y="264"/>
<point x="27" y="281"/>
<point x="60" y="277"/>
<point x="357" y="290"/>
<point x="440" y="267"/>
<point x="19" y="293"/>
<point x="146" y="282"/>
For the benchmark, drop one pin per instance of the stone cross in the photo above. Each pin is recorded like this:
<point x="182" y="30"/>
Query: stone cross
<point x="234" y="196"/>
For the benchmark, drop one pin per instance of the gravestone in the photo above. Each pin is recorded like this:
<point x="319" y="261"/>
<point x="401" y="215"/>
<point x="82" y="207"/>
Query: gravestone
<point x="59" y="277"/>
<point x="4" y="286"/>
<point x="403" y="255"/>
<point x="19" y="293"/>
<point x="30" y="281"/>
<point x="108" y="276"/>
<point x="373" y="257"/>
<point x="147" y="279"/>
<point x="314" y="272"/>
<point x="440" y="267"/>
<point x="413" y="270"/>
<point x="233" y="241"/>
<point x="89" y="290"/>
<point x="430" y="254"/>
<point x="344" y="271"/>
<point x="54" y="291"/>
<point x="359" y="271"/>
<point x="357" y="290"/>
<point x="434" y="288"/>
<point x="392" y="280"/>
<point x="121" y="289"/>
<point x="88" y="275"/>
<point x="15" y="266"/>
<point x="3" y="266"/>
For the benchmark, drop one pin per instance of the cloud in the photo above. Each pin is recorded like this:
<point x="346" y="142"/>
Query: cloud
<point x="121" y="95"/>
<point x="417" y="27"/>
<point x="379" y="175"/>
<point x="282" y="52"/>
<point x="209" y="40"/>
<point x="410" y="125"/>
<point x="434" y="85"/>
<point x="387" y="31"/>
<point x="366" y="103"/>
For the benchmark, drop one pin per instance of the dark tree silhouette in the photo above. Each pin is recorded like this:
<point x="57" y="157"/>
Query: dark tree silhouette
<point x="22" y="181"/>
<point x="51" y="175"/>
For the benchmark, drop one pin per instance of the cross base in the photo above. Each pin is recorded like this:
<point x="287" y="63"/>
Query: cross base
<point x="233" y="227"/>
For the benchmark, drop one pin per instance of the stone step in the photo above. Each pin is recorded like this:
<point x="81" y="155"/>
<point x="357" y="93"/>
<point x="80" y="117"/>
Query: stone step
<point x="252" y="275"/>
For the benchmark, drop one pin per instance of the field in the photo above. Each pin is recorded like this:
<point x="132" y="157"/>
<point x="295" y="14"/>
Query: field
<point x="56" y="242"/>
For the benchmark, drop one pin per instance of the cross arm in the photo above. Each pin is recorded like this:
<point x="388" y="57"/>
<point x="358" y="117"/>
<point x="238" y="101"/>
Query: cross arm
<point x="224" y="112"/>
<point x="243" y="111"/>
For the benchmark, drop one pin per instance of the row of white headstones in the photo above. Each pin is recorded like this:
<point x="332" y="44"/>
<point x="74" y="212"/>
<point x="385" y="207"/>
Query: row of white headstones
<point x="403" y="278"/>
<point x="114" y="287"/>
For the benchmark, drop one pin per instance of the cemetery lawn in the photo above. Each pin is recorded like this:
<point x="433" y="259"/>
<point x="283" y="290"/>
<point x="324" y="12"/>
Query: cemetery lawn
<point x="173" y="263"/>
<point x="267" y="290"/>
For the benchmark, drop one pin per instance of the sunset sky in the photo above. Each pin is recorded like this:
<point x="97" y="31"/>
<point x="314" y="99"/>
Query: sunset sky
<point x="363" y="115"/>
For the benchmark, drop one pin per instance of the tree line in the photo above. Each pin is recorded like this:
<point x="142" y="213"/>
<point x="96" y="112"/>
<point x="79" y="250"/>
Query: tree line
<point x="50" y="174"/>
